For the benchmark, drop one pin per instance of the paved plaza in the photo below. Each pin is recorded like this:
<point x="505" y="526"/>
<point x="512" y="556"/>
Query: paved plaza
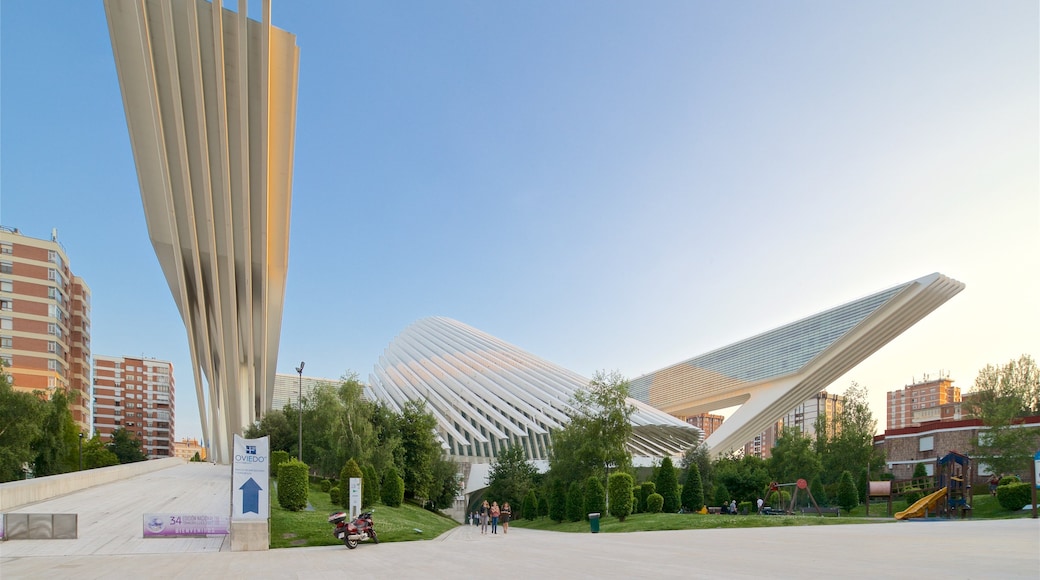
<point x="110" y="546"/>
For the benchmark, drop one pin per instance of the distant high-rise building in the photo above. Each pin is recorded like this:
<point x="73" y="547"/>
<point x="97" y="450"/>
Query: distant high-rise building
<point x="44" y="320"/>
<point x="287" y="389"/>
<point x="707" y="422"/>
<point x="137" y="394"/>
<point x="902" y="404"/>
<point x="803" y="417"/>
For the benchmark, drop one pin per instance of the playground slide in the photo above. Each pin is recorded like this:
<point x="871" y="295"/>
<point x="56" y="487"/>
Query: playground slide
<point x="923" y="505"/>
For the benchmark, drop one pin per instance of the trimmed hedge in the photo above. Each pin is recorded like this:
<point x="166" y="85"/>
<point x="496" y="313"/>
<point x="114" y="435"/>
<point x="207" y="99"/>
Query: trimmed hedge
<point x="594" y="496"/>
<point x="912" y="494"/>
<point x="654" y="503"/>
<point x="326" y="485"/>
<point x="278" y="458"/>
<point x="334" y="495"/>
<point x="392" y="492"/>
<point x="620" y="486"/>
<point x="350" y="469"/>
<point x="293" y="485"/>
<point x="1014" y="496"/>
<point x="575" y="502"/>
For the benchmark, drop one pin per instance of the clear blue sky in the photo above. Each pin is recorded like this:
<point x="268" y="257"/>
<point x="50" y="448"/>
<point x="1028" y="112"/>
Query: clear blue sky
<point x="608" y="185"/>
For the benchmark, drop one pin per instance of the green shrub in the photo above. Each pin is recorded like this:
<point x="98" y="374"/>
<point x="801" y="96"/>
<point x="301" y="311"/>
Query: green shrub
<point x="722" y="496"/>
<point x="529" y="510"/>
<point x="575" y="502"/>
<point x="912" y="494"/>
<point x="818" y="492"/>
<point x="783" y="496"/>
<point x="745" y="507"/>
<point x="334" y="495"/>
<point x="692" y="492"/>
<point x="349" y="470"/>
<point x="543" y="506"/>
<point x="558" y="502"/>
<point x="369" y="486"/>
<point x="594" y="496"/>
<point x="392" y="492"/>
<point x="646" y="490"/>
<point x="668" y="486"/>
<point x="620" y="486"/>
<point x="292" y="485"/>
<point x="654" y="503"/>
<point x="1008" y="480"/>
<point x="920" y="471"/>
<point x="326" y="485"/>
<point x="847" y="496"/>
<point x="1014" y="496"/>
<point x="278" y="458"/>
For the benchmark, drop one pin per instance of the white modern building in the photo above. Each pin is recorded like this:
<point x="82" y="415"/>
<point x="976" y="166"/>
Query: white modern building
<point x="210" y="101"/>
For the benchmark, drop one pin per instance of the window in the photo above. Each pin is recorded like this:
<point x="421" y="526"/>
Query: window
<point x="926" y="443"/>
<point x="52" y="346"/>
<point x="6" y="286"/>
<point x="6" y="324"/>
<point x="52" y="365"/>
<point x="7" y="305"/>
<point x="8" y="361"/>
<point x="6" y="249"/>
<point x="6" y="268"/>
<point x="6" y="342"/>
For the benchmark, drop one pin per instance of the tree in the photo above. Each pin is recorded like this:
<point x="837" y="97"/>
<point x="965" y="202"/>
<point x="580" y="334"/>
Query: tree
<point x="57" y="446"/>
<point x="575" y="502"/>
<point x="1001" y="398"/>
<point x="558" y="502"/>
<point x="818" y="492"/>
<point x="646" y="489"/>
<point x="338" y="425"/>
<point x="275" y="425"/>
<point x="594" y="496"/>
<point x="350" y="470"/>
<point x="96" y="454"/>
<point x="848" y="497"/>
<point x="744" y="477"/>
<point x="595" y="438"/>
<point x="530" y="506"/>
<point x="20" y="419"/>
<point x="369" y="486"/>
<point x="692" y="492"/>
<point x="722" y="496"/>
<point x="620" y="486"/>
<point x="446" y="483"/>
<point x="511" y="475"/>
<point x="668" y="486"/>
<point x="420" y="447"/>
<point x="920" y="471"/>
<point x="700" y="456"/>
<point x="392" y="489"/>
<point x="793" y="458"/>
<point x="126" y="447"/>
<point x="852" y="449"/>
<point x="387" y="451"/>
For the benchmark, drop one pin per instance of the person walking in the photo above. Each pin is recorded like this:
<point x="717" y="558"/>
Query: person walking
<point x="733" y="506"/>
<point x="760" y="504"/>
<point x="507" y="512"/>
<point x="485" y="512"/>
<point x="495" y="513"/>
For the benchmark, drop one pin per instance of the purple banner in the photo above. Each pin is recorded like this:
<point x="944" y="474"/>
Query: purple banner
<point x="172" y="525"/>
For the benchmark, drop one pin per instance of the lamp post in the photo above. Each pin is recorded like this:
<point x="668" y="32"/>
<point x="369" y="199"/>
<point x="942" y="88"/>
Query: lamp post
<point x="299" y="401"/>
<point x="81" y="451"/>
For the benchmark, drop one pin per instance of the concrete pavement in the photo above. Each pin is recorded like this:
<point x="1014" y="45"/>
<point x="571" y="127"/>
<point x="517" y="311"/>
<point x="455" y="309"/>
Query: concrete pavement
<point x="110" y="546"/>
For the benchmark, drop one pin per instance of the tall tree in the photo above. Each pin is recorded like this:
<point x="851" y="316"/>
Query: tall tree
<point x="420" y="446"/>
<point x="558" y="501"/>
<point x="700" y="456"/>
<point x="20" y="419"/>
<point x="852" y="448"/>
<point x="511" y="475"/>
<point x="793" y="457"/>
<point x="386" y="452"/>
<point x="126" y="447"/>
<point x="446" y="482"/>
<point x="275" y="425"/>
<point x="57" y="444"/>
<point x="668" y="486"/>
<point x="96" y="454"/>
<point x="745" y="477"/>
<point x="1001" y="398"/>
<point x="598" y="431"/>
<point x="692" y="491"/>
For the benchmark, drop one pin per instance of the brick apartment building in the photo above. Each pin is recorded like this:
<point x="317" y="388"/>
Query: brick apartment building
<point x="707" y="422"/>
<point x="137" y="394"/>
<point x="928" y="394"/>
<point x="44" y="320"/>
<point x="187" y="448"/>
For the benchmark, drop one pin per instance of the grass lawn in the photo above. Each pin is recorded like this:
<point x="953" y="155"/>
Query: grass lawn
<point x="311" y="528"/>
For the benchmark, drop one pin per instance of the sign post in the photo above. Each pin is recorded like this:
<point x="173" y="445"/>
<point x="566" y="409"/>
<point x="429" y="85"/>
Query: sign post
<point x="250" y="495"/>
<point x="355" y="497"/>
<point x="1036" y="480"/>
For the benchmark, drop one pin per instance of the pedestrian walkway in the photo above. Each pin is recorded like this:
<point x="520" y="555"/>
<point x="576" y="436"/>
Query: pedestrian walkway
<point x="111" y="546"/>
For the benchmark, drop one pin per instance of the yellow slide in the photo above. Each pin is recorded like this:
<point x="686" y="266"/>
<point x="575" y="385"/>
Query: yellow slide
<point x="923" y="505"/>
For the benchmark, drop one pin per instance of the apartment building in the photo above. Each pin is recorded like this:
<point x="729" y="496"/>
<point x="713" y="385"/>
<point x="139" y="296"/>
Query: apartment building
<point x="187" y="447"/>
<point x="927" y="394"/>
<point x="804" y="418"/>
<point x="287" y="389"/>
<point x="706" y="422"/>
<point x="137" y="394"/>
<point x="44" y="320"/>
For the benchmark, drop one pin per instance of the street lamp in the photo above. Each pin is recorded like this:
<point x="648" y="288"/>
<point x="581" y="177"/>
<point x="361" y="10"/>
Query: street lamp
<point x="299" y="401"/>
<point x="81" y="451"/>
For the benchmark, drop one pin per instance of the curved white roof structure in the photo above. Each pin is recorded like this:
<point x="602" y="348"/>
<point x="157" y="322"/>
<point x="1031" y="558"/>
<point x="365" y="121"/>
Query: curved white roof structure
<point x="771" y="373"/>
<point x="487" y="393"/>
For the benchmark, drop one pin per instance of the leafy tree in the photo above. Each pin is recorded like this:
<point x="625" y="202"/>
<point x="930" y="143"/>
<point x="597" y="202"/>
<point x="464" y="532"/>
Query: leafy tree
<point x="96" y="454"/>
<point x="620" y="486"/>
<point x="387" y="451"/>
<point x="848" y="497"/>
<point x="852" y="449"/>
<point x="722" y="496"/>
<point x="692" y="492"/>
<point x="369" y="486"/>
<point x="511" y="475"/>
<point x="392" y="489"/>
<point x="575" y="502"/>
<point x="20" y="425"/>
<point x="700" y="456"/>
<point x="668" y="486"/>
<point x="558" y="502"/>
<point x="594" y="496"/>
<point x="350" y="469"/>
<point x="196" y="458"/>
<point x="57" y="447"/>
<point x="920" y="471"/>
<point x="446" y="483"/>
<point x="543" y="506"/>
<point x="793" y="458"/>
<point x="1001" y="398"/>
<point x="818" y="492"/>
<point x="744" y="477"/>
<point x="530" y="506"/>
<point x="126" y="447"/>
<point x="598" y="431"/>
<point x="338" y="424"/>
<point x="420" y="447"/>
<point x="275" y="425"/>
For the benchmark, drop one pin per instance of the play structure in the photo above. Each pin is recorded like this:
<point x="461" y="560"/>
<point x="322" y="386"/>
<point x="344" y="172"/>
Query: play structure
<point x="953" y="493"/>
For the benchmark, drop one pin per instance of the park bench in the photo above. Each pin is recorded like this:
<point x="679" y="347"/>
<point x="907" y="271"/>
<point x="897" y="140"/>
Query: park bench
<point x="714" y="510"/>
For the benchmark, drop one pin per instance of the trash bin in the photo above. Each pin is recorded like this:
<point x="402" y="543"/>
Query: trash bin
<point x="594" y="522"/>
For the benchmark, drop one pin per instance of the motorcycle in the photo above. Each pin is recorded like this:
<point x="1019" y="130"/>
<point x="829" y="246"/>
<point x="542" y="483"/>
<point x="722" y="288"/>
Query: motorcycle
<point x="352" y="532"/>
